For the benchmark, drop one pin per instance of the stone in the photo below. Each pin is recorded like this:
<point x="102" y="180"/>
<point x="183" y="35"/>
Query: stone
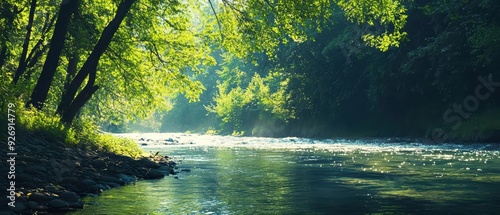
<point x="85" y="183"/>
<point x="93" y="189"/>
<point x="70" y="180"/>
<point x="154" y="174"/>
<point x="39" y="168"/>
<point x="72" y="188"/>
<point x="69" y="197"/>
<point x="19" y="206"/>
<point x="98" y="164"/>
<point x="168" y="169"/>
<point x="112" y="185"/>
<point x="57" y="203"/>
<point x="109" y="179"/>
<point x="51" y="189"/>
<point x="76" y="205"/>
<point x="126" y="178"/>
<point x="149" y="164"/>
<point x="24" y="178"/>
<point x="32" y="205"/>
<point x="38" y="197"/>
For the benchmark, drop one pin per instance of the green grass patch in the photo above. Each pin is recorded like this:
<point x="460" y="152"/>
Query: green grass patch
<point x="82" y="133"/>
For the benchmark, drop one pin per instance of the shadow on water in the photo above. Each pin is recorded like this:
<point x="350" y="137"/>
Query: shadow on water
<point x="282" y="181"/>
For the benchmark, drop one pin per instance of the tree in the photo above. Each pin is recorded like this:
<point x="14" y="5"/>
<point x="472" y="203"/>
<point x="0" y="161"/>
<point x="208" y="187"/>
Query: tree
<point x="168" y="40"/>
<point x="39" y="95"/>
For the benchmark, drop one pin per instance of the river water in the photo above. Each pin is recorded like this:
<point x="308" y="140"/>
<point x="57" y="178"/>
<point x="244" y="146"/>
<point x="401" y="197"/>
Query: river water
<point x="244" y="175"/>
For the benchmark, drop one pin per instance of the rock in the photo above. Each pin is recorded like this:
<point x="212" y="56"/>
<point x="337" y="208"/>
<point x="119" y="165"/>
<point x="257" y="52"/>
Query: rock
<point x="19" y="206"/>
<point x="32" y="171"/>
<point x="107" y="179"/>
<point x="70" y="197"/>
<point x="41" y="208"/>
<point x="149" y="164"/>
<point x="154" y="174"/>
<point x="112" y="185"/>
<point x="69" y="180"/>
<point x="102" y="187"/>
<point x="72" y="188"/>
<point x="85" y="183"/>
<point x="98" y="164"/>
<point x="185" y="170"/>
<point x="24" y="178"/>
<point x="93" y="189"/>
<point x="51" y="189"/>
<point x="168" y="169"/>
<point x="76" y="205"/>
<point x="38" y="197"/>
<point x="57" y="203"/>
<point x="126" y="178"/>
<point x="32" y="205"/>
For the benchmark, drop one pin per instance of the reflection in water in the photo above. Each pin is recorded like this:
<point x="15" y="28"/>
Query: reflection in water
<point x="319" y="178"/>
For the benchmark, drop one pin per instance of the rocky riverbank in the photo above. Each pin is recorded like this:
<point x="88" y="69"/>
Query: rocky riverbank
<point x="50" y="178"/>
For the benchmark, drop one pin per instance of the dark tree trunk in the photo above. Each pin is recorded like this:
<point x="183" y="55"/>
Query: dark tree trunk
<point x="41" y="90"/>
<point x="3" y="53"/>
<point x="21" y="68"/>
<point x="39" y="49"/>
<point x="69" y="105"/>
<point x="73" y="60"/>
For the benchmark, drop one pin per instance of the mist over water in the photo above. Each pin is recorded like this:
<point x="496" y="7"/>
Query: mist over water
<point x="246" y="175"/>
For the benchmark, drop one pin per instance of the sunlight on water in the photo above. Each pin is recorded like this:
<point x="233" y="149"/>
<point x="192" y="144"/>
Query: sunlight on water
<point x="244" y="175"/>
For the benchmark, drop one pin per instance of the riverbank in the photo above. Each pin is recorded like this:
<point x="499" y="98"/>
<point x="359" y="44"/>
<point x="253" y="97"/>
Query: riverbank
<point x="51" y="177"/>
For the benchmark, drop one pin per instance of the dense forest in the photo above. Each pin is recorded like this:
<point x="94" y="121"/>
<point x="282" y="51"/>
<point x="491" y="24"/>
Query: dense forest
<point x="317" y="68"/>
<point x="439" y="83"/>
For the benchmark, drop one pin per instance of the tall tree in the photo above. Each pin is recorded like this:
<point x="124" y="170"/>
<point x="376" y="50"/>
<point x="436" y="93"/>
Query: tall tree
<point x="39" y="95"/>
<point x="23" y="63"/>
<point x="70" y="104"/>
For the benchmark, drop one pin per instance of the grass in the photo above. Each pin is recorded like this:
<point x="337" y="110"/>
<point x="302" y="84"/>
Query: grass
<point x="82" y="133"/>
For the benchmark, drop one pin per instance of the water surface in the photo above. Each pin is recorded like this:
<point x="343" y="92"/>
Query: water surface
<point x="231" y="175"/>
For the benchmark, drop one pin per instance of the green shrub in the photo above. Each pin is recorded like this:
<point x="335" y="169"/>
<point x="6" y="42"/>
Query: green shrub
<point x="82" y="133"/>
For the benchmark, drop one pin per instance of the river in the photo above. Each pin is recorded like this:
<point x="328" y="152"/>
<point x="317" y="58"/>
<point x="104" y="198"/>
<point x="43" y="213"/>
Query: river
<point x="245" y="175"/>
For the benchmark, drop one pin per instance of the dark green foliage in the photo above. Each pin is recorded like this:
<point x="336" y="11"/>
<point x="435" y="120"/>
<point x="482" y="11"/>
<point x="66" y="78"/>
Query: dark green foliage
<point x="338" y="86"/>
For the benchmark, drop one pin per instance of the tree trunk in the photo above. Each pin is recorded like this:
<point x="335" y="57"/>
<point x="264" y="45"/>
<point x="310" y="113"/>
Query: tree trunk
<point x="21" y="68"/>
<point x="41" y="90"/>
<point x="39" y="49"/>
<point x="73" y="60"/>
<point x="69" y="105"/>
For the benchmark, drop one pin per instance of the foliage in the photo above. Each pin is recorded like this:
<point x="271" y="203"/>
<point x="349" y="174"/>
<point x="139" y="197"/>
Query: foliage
<point x="83" y="133"/>
<point x="334" y="84"/>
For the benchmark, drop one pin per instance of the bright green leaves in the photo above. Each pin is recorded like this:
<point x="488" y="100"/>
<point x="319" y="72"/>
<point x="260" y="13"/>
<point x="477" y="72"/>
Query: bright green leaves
<point x="255" y="25"/>
<point x="244" y="99"/>
<point x="385" y="18"/>
<point x="149" y="60"/>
